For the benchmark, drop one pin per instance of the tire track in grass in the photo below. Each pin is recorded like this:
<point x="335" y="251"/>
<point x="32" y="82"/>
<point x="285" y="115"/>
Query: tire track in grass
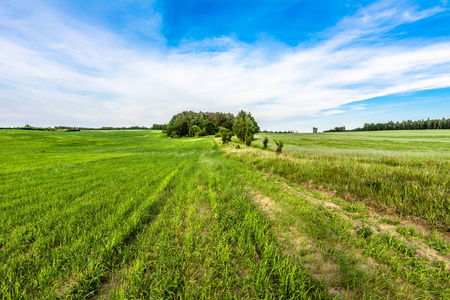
<point x="272" y="274"/>
<point x="96" y="275"/>
<point x="341" y="212"/>
<point x="295" y="242"/>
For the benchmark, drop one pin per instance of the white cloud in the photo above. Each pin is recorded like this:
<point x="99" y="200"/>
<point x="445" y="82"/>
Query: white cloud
<point x="55" y="70"/>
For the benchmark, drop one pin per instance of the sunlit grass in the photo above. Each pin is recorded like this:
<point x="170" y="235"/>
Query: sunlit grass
<point x="134" y="215"/>
<point x="397" y="176"/>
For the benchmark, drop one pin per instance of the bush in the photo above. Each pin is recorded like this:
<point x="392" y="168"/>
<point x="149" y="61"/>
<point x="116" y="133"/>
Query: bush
<point x="279" y="146"/>
<point x="226" y="135"/>
<point x="248" y="140"/>
<point x="201" y="133"/>
<point x="224" y="138"/>
<point x="194" y="130"/>
<point x="265" y="142"/>
<point x="230" y="134"/>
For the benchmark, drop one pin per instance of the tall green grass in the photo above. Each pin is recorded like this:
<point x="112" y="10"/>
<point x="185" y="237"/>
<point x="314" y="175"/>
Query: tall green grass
<point x="133" y="215"/>
<point x="405" y="172"/>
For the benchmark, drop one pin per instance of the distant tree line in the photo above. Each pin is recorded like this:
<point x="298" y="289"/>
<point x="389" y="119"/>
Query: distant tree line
<point x="404" y="125"/>
<point x="71" y="128"/>
<point x="407" y="125"/>
<point x="189" y="124"/>
<point x="159" y="127"/>
<point x="336" y="129"/>
<point x="285" y="131"/>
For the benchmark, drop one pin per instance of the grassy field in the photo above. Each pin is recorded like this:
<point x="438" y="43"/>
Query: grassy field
<point x="134" y="215"/>
<point x="406" y="172"/>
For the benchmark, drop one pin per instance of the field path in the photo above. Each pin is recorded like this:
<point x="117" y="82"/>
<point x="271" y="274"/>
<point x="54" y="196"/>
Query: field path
<point x="351" y="248"/>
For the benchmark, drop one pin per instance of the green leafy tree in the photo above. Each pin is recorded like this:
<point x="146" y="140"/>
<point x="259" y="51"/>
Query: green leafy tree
<point x="228" y="125"/>
<point x="243" y="126"/>
<point x="256" y="126"/>
<point x="209" y="127"/>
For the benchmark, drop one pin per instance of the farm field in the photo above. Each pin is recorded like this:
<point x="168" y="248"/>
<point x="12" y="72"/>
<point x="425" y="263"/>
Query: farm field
<point x="135" y="215"/>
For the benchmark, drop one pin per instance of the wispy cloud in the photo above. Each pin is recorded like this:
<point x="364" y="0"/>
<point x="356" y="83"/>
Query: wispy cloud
<point x="57" y="70"/>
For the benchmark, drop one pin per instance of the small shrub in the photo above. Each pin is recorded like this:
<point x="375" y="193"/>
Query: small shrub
<point x="201" y="133"/>
<point x="265" y="142"/>
<point x="194" y="130"/>
<point x="248" y="140"/>
<point x="226" y="135"/>
<point x="230" y="134"/>
<point x="279" y="146"/>
<point x="238" y="147"/>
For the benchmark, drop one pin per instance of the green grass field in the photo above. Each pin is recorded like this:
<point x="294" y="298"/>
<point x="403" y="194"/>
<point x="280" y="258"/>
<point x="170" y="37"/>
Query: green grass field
<point x="135" y="215"/>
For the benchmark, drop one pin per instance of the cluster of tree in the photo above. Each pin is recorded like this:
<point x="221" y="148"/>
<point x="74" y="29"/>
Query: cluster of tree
<point x="407" y="125"/>
<point x="159" y="127"/>
<point x="189" y="123"/>
<point x="71" y="128"/>
<point x="315" y="129"/>
<point x="336" y="129"/>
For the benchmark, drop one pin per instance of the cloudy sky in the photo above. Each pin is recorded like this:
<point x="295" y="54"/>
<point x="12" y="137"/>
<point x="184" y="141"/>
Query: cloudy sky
<point x="293" y="64"/>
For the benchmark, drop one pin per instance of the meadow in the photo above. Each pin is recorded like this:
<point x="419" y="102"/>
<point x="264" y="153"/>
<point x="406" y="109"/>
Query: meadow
<point x="135" y="215"/>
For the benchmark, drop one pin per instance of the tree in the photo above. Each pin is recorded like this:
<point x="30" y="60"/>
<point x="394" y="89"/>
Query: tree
<point x="315" y="129"/>
<point x="228" y="125"/>
<point x="257" y="129"/>
<point x="209" y="127"/>
<point x="243" y="126"/>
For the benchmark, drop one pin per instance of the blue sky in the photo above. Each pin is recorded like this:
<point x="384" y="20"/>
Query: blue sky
<point x="293" y="64"/>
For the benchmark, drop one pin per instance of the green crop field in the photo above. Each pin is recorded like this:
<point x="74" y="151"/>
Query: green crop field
<point x="135" y="215"/>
